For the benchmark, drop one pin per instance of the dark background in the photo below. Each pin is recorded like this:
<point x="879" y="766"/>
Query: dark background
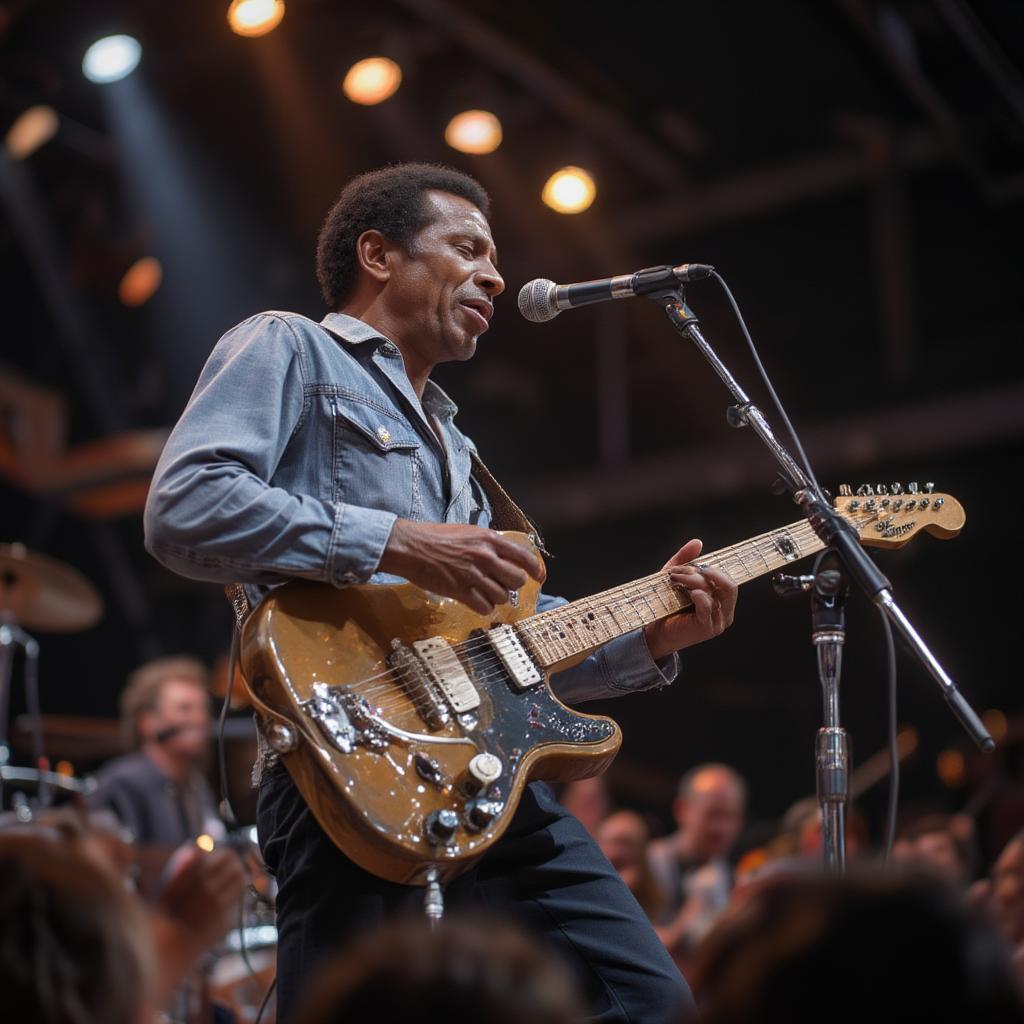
<point x="854" y="169"/>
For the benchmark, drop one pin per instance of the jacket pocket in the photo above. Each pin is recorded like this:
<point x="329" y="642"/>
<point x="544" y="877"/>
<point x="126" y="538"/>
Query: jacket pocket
<point x="376" y="459"/>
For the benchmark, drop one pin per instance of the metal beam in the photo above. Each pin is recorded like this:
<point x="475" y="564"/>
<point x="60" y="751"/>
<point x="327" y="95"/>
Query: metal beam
<point x="922" y="434"/>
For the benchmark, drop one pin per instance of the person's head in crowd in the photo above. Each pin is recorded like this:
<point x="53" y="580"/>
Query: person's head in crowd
<point x="588" y="800"/>
<point x="1007" y="901"/>
<point x="165" y="709"/>
<point x="75" y="946"/>
<point x="465" y="968"/>
<point x="800" y="833"/>
<point x="933" y="841"/>
<point x="709" y="810"/>
<point x="623" y="838"/>
<point x="860" y="947"/>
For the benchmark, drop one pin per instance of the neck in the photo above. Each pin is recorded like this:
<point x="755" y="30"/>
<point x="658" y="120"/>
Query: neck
<point x="370" y="310"/>
<point x="175" y="768"/>
<point x="565" y="633"/>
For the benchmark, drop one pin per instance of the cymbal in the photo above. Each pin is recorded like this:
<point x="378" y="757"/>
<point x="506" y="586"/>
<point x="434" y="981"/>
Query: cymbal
<point x="44" y="595"/>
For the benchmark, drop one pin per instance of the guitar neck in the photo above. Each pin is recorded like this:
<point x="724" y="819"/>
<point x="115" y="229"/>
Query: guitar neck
<point x="564" y="633"/>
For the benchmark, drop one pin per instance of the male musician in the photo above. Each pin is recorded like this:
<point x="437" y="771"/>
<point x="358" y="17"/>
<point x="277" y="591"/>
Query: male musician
<point x="325" y="451"/>
<point x="158" y="792"/>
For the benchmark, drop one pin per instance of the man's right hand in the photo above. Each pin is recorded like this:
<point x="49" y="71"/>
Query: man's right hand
<point x="474" y="565"/>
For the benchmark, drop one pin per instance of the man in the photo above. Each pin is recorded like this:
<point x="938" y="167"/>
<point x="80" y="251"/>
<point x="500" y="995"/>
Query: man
<point x="690" y="865"/>
<point x="325" y="451"/>
<point x="158" y="791"/>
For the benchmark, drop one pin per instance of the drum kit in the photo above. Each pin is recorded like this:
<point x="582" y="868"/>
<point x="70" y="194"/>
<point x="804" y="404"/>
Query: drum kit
<point x="42" y="595"/>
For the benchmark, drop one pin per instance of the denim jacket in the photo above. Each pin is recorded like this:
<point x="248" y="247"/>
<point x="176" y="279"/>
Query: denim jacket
<point x="300" y="447"/>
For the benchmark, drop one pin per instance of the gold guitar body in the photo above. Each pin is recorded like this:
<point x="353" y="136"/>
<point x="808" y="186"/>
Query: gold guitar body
<point x="310" y="650"/>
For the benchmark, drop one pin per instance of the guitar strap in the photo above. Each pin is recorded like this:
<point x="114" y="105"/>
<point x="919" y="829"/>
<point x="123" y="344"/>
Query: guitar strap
<point x="505" y="515"/>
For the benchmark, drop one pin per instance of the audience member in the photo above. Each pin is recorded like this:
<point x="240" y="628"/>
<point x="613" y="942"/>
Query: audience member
<point x="623" y="838"/>
<point x="462" y="970"/>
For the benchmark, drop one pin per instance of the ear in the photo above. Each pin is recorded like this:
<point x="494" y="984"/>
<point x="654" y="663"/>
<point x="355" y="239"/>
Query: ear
<point x="374" y="254"/>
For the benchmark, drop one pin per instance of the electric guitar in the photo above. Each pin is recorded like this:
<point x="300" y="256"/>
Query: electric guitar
<point x="410" y="724"/>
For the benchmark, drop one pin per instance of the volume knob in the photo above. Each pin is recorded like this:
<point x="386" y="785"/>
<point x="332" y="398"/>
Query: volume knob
<point x="485" y="769"/>
<point x="440" y="826"/>
<point x="480" y="813"/>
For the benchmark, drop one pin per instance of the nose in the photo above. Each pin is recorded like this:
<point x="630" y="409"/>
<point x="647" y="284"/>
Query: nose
<point x="490" y="280"/>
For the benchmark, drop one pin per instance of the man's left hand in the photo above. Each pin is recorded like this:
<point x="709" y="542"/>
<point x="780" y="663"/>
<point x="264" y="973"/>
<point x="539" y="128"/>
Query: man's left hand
<point x="713" y="593"/>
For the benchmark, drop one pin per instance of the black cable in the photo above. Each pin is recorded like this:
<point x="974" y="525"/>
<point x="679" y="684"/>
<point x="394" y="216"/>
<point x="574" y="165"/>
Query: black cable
<point x="894" y="753"/>
<point x="767" y="382"/>
<point x="266" y="1001"/>
<point x="227" y="812"/>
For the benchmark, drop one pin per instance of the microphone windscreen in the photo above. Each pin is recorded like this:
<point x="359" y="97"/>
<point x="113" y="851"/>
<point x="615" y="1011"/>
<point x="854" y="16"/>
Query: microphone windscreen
<point x="537" y="300"/>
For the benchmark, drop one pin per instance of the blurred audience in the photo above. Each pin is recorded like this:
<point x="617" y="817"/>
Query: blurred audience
<point x="588" y="800"/>
<point x="623" y="838"/>
<point x="59" y="861"/>
<point x="75" y="945"/>
<point x="867" y="946"/>
<point x="935" y="841"/>
<point x="464" y="969"/>
<point x="1002" y="896"/>
<point x="690" y="866"/>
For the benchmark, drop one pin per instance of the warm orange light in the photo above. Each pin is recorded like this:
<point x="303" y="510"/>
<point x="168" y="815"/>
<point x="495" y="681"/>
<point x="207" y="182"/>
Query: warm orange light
<point x="570" y="190"/>
<point x="35" y="127"/>
<point x="140" y="281"/>
<point x="255" y="17"/>
<point x="372" y="80"/>
<point x="205" y="842"/>
<point x="951" y="768"/>
<point x="995" y="722"/>
<point x="473" y="131"/>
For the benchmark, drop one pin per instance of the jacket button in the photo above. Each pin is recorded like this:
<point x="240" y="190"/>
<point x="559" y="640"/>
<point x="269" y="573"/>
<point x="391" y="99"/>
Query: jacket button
<point x="384" y="434"/>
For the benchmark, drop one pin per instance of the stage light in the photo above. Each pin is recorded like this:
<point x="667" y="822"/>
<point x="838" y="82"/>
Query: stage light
<point x="473" y="131"/>
<point x="255" y="17"/>
<point x="570" y="190"/>
<point x="140" y="282"/>
<point x="111" y="58"/>
<point x="951" y="768"/>
<point x="995" y="722"/>
<point x="205" y="842"/>
<point x="372" y="80"/>
<point x="35" y="127"/>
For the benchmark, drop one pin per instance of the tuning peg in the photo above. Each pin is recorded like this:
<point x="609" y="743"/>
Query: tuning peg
<point x="844" y="491"/>
<point x="896" y="488"/>
<point x="881" y="489"/>
<point x="929" y="487"/>
<point x="865" y="489"/>
<point x="912" y="488"/>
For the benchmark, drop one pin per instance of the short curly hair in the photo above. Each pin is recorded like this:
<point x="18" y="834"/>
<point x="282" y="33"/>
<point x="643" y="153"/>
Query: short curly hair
<point x="389" y="200"/>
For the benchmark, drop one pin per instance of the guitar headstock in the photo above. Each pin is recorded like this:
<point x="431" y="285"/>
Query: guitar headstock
<point x="888" y="515"/>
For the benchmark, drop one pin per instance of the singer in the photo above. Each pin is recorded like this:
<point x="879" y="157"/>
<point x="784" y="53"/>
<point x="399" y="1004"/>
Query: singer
<point x="158" y="792"/>
<point x="324" y="451"/>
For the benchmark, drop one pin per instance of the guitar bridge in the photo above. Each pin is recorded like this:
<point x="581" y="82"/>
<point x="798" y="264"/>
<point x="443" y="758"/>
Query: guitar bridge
<point x="410" y="673"/>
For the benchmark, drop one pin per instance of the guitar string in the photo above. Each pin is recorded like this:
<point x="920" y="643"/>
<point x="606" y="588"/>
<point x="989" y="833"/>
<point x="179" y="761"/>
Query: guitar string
<point x="628" y="594"/>
<point x="493" y="668"/>
<point x="406" y="704"/>
<point x="719" y="557"/>
<point x="651" y="585"/>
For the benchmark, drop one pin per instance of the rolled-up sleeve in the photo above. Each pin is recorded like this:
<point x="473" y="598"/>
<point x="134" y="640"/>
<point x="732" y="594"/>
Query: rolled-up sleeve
<point x="623" y="665"/>
<point x="211" y="513"/>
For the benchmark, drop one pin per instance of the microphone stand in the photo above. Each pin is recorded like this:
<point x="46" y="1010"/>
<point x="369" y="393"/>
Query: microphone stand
<point x="834" y="531"/>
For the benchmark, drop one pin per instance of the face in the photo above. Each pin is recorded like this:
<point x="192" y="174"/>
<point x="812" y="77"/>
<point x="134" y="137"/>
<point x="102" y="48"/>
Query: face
<point x="712" y="816"/>
<point x="623" y="840"/>
<point x="440" y="294"/>
<point x="185" y="706"/>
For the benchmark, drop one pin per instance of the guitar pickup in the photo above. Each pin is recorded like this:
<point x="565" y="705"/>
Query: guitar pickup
<point x="446" y="672"/>
<point x="509" y="648"/>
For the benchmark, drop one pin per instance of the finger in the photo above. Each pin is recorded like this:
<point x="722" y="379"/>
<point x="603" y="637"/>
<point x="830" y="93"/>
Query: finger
<point x="703" y="607"/>
<point x="518" y="555"/>
<point x="688" y="578"/>
<point x="477" y="602"/>
<point x="509" y="575"/>
<point x="689" y="551"/>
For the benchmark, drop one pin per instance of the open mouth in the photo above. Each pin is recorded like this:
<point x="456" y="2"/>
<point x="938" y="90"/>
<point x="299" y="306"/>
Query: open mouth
<point x="479" y="312"/>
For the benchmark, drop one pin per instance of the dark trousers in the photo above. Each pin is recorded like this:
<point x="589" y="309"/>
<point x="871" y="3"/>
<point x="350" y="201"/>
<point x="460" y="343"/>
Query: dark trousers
<point x="546" y="874"/>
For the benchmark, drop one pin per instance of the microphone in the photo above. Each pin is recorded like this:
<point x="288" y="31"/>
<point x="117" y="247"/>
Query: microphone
<point x="541" y="300"/>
